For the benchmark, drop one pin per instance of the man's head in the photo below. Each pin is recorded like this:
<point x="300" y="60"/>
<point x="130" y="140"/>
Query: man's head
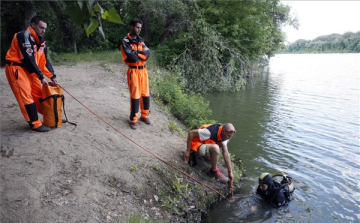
<point x="39" y="25"/>
<point x="228" y="131"/>
<point x="265" y="181"/>
<point x="136" y="25"/>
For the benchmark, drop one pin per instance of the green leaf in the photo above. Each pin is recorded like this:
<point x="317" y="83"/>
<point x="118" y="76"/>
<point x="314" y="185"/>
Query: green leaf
<point x="98" y="8"/>
<point x="112" y="16"/>
<point x="92" y="13"/>
<point x="91" y="27"/>
<point x="76" y="14"/>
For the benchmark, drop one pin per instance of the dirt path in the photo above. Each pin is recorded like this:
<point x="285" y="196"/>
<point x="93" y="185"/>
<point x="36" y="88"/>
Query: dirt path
<point x="89" y="173"/>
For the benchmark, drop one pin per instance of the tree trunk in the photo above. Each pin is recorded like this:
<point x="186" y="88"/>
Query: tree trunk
<point x="28" y="14"/>
<point x="142" y="16"/>
<point x="75" y="47"/>
<point x="166" y="33"/>
<point x="146" y="28"/>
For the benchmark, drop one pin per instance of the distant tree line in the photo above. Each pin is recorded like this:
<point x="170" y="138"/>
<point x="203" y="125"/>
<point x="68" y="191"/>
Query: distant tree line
<point x="349" y="42"/>
<point x="213" y="44"/>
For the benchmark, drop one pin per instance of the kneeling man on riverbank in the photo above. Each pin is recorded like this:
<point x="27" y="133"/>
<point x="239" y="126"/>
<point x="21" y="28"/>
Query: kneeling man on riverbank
<point x="206" y="141"/>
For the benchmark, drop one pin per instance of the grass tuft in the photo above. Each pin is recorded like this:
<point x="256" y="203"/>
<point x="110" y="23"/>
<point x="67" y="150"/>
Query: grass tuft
<point x="68" y="58"/>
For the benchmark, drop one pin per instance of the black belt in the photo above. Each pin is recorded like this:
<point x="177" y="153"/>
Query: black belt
<point x="137" y="67"/>
<point x="11" y="63"/>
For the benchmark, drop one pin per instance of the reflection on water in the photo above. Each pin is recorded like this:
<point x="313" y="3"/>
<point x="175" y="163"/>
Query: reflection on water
<point x="301" y="117"/>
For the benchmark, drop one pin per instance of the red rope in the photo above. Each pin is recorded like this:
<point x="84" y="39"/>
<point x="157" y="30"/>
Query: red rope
<point x="232" y="189"/>
<point x="146" y="150"/>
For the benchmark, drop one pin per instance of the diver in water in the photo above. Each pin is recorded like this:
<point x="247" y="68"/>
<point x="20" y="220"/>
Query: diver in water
<point x="276" y="193"/>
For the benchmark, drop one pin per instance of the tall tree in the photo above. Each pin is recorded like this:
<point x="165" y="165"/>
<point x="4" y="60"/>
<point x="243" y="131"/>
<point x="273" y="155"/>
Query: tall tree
<point x="237" y="33"/>
<point x="345" y="43"/>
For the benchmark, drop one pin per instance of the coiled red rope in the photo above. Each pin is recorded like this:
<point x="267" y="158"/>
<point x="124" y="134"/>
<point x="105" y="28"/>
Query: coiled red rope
<point x="146" y="150"/>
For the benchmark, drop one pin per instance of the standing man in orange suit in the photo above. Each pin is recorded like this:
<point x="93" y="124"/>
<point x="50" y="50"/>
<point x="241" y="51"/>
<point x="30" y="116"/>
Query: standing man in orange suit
<point x="26" y="65"/>
<point x="135" y="54"/>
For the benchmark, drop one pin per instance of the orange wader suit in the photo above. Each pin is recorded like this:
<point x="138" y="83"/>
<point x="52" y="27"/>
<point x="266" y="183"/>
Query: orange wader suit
<point x="135" y="53"/>
<point x="26" y="65"/>
<point x="215" y="137"/>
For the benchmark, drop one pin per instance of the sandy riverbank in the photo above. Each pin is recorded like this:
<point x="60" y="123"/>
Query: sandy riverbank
<point x="91" y="173"/>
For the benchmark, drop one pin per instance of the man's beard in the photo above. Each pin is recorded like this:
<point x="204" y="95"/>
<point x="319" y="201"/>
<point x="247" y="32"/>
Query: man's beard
<point x="134" y="33"/>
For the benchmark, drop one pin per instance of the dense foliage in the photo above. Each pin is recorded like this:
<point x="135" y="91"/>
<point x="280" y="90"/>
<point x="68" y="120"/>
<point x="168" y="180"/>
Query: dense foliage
<point x="191" y="108"/>
<point x="335" y="43"/>
<point x="213" y="44"/>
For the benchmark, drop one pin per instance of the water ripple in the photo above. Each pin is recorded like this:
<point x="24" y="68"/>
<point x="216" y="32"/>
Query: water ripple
<point x="303" y="118"/>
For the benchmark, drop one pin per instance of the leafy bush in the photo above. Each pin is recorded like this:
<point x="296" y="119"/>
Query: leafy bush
<point x="166" y="56"/>
<point x="169" y="51"/>
<point x="210" y="64"/>
<point x="191" y="108"/>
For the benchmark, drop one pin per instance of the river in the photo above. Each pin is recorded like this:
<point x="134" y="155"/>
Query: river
<point x="301" y="117"/>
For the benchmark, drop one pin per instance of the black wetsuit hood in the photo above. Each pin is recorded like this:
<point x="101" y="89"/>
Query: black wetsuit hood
<point x="275" y="192"/>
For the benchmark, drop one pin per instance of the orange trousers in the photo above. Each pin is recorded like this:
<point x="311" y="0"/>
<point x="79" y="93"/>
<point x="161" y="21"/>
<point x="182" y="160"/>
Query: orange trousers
<point x="138" y="84"/>
<point x="27" y="90"/>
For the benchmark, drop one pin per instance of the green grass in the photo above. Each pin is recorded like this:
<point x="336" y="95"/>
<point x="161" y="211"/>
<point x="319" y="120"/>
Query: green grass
<point x="137" y="218"/>
<point x="133" y="168"/>
<point x="175" y="128"/>
<point x="69" y="58"/>
<point x="104" y="56"/>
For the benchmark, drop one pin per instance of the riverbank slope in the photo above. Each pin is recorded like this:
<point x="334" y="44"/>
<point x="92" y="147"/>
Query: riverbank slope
<point x="92" y="173"/>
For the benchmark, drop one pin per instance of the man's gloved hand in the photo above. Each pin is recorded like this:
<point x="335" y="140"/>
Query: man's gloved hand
<point x="54" y="81"/>
<point x="43" y="82"/>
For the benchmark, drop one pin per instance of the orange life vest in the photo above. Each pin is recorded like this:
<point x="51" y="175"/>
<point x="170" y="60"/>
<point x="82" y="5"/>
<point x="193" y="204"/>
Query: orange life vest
<point x="215" y="138"/>
<point x="133" y="51"/>
<point x="30" y="51"/>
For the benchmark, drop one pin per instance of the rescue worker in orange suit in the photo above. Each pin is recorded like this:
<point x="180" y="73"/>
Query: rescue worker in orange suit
<point x="135" y="54"/>
<point x="206" y="141"/>
<point x="26" y="65"/>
